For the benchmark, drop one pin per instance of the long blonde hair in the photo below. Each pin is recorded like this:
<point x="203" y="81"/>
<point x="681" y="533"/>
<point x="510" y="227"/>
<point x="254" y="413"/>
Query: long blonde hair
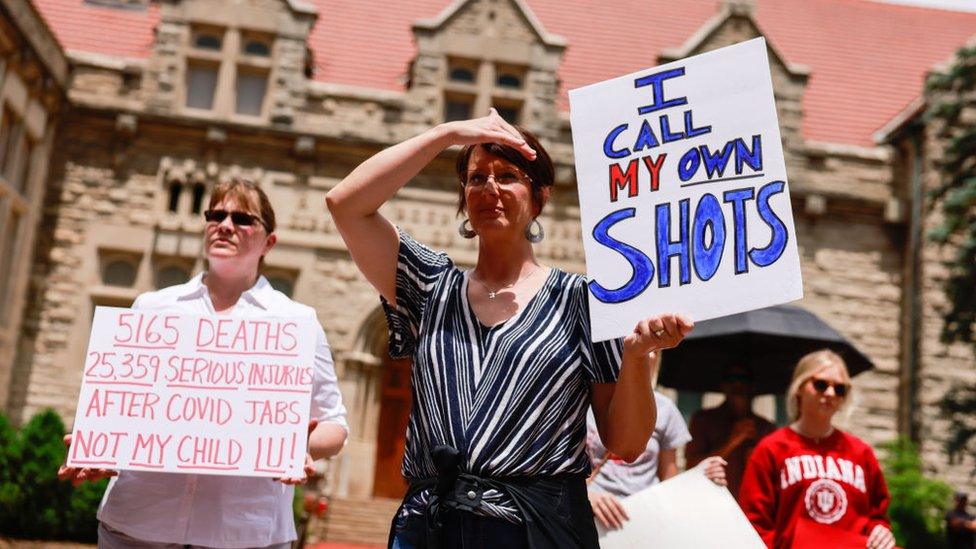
<point x="806" y="368"/>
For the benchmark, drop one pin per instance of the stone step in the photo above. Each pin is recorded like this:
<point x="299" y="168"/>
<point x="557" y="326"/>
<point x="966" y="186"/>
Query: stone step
<point x="364" y="521"/>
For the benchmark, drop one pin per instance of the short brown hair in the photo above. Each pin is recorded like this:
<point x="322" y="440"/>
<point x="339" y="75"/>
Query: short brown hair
<point x="541" y="172"/>
<point x="248" y="195"/>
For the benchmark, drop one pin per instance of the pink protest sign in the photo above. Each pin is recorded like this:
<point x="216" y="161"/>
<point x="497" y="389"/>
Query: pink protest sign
<point x="195" y="394"/>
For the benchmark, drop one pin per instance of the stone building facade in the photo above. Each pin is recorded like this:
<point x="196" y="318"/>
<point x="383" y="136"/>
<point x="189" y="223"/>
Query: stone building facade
<point x="224" y="91"/>
<point x="33" y="80"/>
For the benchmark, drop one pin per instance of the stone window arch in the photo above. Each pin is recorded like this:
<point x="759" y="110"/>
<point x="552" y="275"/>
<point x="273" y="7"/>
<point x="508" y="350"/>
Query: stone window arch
<point x="199" y="191"/>
<point x="175" y="190"/>
<point x="207" y="41"/>
<point x="462" y="74"/>
<point x="508" y="80"/>
<point x="257" y="45"/>
<point x="119" y="269"/>
<point x="171" y="274"/>
<point x="282" y="280"/>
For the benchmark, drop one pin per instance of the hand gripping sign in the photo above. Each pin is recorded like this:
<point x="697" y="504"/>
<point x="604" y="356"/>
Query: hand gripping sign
<point x="185" y="393"/>
<point x="684" y="201"/>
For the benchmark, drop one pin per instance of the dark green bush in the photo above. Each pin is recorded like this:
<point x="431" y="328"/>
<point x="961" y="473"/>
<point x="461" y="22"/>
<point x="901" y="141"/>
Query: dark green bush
<point x="34" y="504"/>
<point x="918" y="503"/>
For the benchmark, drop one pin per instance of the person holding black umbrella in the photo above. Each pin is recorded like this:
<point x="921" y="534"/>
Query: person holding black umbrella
<point x="810" y="484"/>
<point x="730" y="430"/>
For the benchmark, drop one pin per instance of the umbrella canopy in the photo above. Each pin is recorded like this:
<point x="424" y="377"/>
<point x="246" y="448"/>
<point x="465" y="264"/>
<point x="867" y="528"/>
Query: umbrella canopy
<point x="768" y="341"/>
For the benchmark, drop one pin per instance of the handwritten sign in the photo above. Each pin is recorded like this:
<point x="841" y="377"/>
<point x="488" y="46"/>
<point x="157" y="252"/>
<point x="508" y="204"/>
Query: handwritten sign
<point x="684" y="200"/>
<point x="687" y="510"/>
<point x="195" y="394"/>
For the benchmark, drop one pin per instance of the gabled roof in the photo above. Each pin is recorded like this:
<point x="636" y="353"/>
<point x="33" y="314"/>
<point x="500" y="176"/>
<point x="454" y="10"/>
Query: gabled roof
<point x="867" y="59"/>
<point x="520" y="5"/>
<point x="700" y="40"/>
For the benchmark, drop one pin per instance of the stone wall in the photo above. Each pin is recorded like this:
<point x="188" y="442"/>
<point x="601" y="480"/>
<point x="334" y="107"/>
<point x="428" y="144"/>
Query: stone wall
<point x="941" y="366"/>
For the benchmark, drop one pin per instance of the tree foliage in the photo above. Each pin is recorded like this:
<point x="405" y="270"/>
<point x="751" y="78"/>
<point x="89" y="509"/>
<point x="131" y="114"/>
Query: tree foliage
<point x="917" y="502"/>
<point x="34" y="504"/>
<point x="952" y="103"/>
<point x="951" y="111"/>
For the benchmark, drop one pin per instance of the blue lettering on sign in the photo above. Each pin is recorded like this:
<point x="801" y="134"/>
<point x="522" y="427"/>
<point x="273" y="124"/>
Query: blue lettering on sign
<point x="646" y="138"/>
<point x="738" y="198"/>
<point x="690" y="128"/>
<point x="666" y="134"/>
<point x="708" y="217"/>
<point x="744" y="155"/>
<point x="656" y="81"/>
<point x="715" y="162"/>
<point x="643" y="268"/>
<point x="777" y="241"/>
<point x="688" y="164"/>
<point x="668" y="248"/>
<point x="608" y="143"/>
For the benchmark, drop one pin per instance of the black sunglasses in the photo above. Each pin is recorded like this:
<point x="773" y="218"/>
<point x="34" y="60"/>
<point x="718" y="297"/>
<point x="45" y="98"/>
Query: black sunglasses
<point x="241" y="219"/>
<point x="820" y="385"/>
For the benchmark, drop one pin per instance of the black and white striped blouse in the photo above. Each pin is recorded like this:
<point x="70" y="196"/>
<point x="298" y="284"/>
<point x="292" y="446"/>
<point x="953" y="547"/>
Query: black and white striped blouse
<point x="512" y="397"/>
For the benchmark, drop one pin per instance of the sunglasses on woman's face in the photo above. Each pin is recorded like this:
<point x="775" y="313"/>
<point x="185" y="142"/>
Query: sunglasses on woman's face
<point x="821" y="385"/>
<point x="241" y="219"/>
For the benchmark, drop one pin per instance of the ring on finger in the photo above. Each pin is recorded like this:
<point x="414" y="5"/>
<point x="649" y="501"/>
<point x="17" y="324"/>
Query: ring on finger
<point x="658" y="333"/>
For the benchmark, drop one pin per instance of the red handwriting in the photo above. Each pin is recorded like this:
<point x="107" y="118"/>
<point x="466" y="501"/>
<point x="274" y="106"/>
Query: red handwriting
<point x="144" y="329"/>
<point x="196" y="451"/>
<point x="278" y="375"/>
<point x="205" y="408"/>
<point x="246" y="336"/>
<point x="135" y="367"/>
<point x="92" y="444"/>
<point x="273" y="451"/>
<point x="101" y="365"/>
<point x="150" y="448"/>
<point x="199" y="370"/>
<point x="273" y="412"/>
<point x="122" y="403"/>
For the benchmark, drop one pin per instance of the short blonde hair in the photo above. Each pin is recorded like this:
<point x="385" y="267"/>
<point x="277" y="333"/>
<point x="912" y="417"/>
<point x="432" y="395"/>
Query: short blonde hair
<point x="807" y="367"/>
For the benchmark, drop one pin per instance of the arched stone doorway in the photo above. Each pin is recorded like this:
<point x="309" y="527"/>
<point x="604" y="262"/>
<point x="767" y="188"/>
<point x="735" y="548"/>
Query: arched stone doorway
<point x="378" y="399"/>
<point x="395" y="402"/>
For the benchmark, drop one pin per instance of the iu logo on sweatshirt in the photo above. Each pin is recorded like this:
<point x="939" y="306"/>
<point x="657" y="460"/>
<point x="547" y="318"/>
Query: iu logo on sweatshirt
<point x="826" y="501"/>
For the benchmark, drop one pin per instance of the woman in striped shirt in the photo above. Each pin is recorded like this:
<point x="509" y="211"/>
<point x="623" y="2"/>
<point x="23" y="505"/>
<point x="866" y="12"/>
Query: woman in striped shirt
<point x="503" y="363"/>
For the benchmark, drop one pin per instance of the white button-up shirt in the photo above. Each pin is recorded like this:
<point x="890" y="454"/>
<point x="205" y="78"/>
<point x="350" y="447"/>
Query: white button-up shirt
<point x="208" y="510"/>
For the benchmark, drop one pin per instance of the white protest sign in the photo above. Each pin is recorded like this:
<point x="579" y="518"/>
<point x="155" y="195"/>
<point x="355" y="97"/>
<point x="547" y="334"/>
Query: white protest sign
<point x="684" y="201"/>
<point x="175" y="392"/>
<point x="684" y="511"/>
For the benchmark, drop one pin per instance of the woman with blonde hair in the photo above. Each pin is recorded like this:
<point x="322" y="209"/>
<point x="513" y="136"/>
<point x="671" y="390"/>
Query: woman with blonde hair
<point x="810" y="481"/>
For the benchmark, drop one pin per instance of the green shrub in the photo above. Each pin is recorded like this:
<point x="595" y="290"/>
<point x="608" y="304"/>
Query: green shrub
<point x="34" y="504"/>
<point x="918" y="503"/>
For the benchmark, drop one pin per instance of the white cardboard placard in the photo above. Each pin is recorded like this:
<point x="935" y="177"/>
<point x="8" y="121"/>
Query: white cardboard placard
<point x="687" y="510"/>
<point x="175" y="392"/>
<point x="684" y="199"/>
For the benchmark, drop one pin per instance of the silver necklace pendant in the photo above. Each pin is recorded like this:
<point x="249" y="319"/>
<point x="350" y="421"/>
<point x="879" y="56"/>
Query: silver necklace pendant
<point x="491" y="294"/>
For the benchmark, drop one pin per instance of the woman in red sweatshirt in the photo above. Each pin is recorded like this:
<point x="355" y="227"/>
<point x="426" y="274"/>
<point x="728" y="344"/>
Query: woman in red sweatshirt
<point x="810" y="482"/>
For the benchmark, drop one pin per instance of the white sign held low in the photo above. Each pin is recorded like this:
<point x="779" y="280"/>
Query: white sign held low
<point x="684" y="511"/>
<point x="184" y="393"/>
<point x="684" y="200"/>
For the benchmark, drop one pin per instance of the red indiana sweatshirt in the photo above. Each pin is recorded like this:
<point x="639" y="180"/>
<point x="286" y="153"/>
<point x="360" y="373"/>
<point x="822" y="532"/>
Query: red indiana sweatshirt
<point x="792" y="478"/>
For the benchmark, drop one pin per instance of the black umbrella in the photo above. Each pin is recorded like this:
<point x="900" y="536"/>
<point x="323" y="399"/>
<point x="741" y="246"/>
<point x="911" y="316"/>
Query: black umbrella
<point x="768" y="341"/>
